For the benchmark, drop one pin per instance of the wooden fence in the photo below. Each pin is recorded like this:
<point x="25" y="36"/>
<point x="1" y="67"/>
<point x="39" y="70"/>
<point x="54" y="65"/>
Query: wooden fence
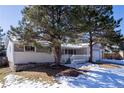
<point x="112" y="56"/>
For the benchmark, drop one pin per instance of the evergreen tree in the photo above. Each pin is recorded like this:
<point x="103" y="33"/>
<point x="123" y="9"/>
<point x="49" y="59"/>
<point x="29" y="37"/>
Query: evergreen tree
<point x="50" y="23"/>
<point x="23" y="32"/>
<point x="58" y="24"/>
<point x="98" y="24"/>
<point x="1" y="39"/>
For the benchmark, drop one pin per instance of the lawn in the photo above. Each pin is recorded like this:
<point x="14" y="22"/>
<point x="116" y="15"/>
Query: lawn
<point x="87" y="76"/>
<point x="42" y="73"/>
<point x="3" y="72"/>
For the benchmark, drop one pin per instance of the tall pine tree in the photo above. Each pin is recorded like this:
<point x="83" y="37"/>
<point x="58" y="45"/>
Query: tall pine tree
<point x="98" y="24"/>
<point x="50" y="23"/>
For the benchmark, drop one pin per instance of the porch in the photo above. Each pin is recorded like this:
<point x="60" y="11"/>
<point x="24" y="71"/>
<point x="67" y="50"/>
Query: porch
<point x="74" y="53"/>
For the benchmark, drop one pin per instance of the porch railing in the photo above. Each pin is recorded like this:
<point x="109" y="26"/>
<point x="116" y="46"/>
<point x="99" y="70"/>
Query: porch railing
<point x="79" y="58"/>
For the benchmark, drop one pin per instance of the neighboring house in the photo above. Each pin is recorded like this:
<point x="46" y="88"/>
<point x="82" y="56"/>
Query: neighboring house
<point x="19" y="54"/>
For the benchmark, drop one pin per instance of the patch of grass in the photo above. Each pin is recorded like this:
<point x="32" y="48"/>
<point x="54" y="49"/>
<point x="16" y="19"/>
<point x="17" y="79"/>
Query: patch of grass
<point x="47" y="73"/>
<point x="29" y="75"/>
<point x="38" y="76"/>
<point x="109" y="66"/>
<point x="3" y="72"/>
<point x="42" y="73"/>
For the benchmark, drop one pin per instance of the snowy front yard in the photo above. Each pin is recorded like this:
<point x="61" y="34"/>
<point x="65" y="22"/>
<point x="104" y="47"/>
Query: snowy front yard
<point x="113" y="61"/>
<point x="98" y="76"/>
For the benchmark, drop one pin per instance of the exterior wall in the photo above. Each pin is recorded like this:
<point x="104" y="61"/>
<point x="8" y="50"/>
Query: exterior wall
<point x="10" y="51"/>
<point x="10" y="54"/>
<point x="97" y="55"/>
<point x="23" y="57"/>
<point x="41" y="57"/>
<point x="32" y="57"/>
<point x="97" y="52"/>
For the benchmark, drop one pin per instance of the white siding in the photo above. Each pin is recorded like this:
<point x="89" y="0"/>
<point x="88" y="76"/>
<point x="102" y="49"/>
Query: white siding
<point x="97" y="52"/>
<point x="96" y="55"/>
<point x="10" y="51"/>
<point x="34" y="57"/>
<point x="38" y="57"/>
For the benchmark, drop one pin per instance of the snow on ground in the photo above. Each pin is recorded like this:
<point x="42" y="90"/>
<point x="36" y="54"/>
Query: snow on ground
<point x="98" y="77"/>
<point x="84" y="65"/>
<point x="1" y="85"/>
<point x="120" y="62"/>
<point x="15" y="81"/>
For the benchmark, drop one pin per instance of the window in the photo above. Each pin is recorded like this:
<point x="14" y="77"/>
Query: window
<point x="30" y="48"/>
<point x="70" y="51"/>
<point x="74" y="51"/>
<point x="84" y="51"/>
<point x="66" y="51"/>
<point x="18" y="48"/>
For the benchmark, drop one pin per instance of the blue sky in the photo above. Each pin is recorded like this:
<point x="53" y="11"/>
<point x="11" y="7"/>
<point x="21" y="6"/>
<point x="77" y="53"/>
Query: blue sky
<point x="119" y="13"/>
<point x="10" y="15"/>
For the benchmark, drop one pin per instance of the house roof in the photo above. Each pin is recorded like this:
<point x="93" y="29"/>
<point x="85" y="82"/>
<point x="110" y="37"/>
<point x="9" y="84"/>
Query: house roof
<point x="66" y="45"/>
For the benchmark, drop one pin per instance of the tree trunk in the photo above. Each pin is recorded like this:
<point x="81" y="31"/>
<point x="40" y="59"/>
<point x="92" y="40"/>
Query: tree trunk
<point x="91" y="47"/>
<point x="57" y="54"/>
